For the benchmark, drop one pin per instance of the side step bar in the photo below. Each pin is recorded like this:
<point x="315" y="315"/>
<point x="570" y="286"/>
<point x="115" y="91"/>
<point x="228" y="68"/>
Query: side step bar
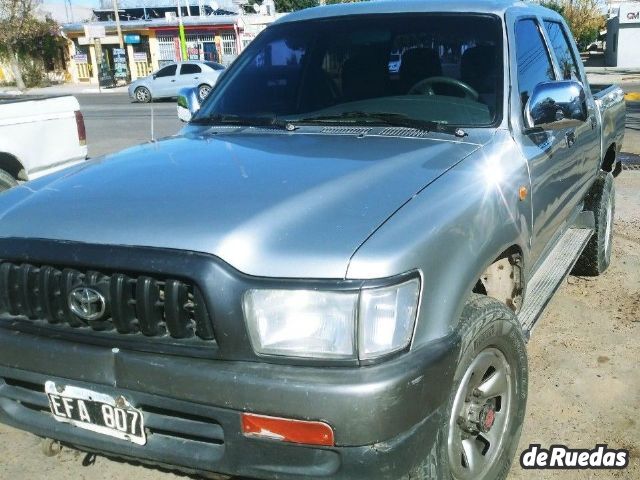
<point x="550" y="274"/>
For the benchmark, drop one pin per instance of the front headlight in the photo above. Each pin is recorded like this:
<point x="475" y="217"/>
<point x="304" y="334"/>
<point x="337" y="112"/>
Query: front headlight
<point x="326" y="324"/>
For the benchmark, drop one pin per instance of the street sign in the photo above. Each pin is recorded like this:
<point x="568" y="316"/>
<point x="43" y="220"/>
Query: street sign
<point x="140" y="56"/>
<point x="629" y="13"/>
<point x="131" y="38"/>
<point x="80" y="58"/>
<point x="92" y="31"/>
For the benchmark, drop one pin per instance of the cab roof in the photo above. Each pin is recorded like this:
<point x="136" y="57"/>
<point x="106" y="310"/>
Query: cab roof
<point x="413" y="6"/>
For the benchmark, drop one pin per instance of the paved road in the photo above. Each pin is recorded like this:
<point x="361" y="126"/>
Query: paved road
<point x="114" y="123"/>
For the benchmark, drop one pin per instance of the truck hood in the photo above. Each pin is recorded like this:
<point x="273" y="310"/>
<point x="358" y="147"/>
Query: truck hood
<point x="269" y="204"/>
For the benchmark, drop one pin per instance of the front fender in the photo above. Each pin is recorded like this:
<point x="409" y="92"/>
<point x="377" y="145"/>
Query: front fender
<point x="451" y="231"/>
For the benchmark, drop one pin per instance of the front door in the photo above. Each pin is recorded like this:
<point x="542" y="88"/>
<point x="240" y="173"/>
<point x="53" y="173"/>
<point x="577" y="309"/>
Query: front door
<point x="164" y="81"/>
<point x="551" y="159"/>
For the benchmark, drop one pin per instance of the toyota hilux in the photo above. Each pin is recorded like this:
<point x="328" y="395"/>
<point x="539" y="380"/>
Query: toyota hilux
<point x="333" y="270"/>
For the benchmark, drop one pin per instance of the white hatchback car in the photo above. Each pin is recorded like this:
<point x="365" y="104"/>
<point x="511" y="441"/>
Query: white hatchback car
<point x="169" y="79"/>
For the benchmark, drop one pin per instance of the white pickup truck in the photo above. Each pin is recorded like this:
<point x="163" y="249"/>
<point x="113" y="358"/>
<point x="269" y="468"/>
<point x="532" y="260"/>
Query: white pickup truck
<point x="39" y="135"/>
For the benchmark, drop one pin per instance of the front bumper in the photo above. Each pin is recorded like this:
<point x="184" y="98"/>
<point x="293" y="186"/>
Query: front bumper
<point x="131" y="90"/>
<point x="385" y="417"/>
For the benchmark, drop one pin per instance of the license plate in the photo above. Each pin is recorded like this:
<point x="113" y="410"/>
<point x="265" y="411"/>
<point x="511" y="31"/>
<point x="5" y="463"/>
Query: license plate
<point x="97" y="412"/>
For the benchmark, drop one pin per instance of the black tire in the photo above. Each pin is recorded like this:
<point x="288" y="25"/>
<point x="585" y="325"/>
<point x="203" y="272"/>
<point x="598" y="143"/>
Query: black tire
<point x="142" y="94"/>
<point x="488" y="328"/>
<point x="203" y="91"/>
<point x="6" y="181"/>
<point x="600" y="200"/>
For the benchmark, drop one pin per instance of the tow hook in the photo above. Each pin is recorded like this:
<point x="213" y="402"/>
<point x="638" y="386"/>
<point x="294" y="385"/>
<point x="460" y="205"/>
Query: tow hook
<point x="50" y="447"/>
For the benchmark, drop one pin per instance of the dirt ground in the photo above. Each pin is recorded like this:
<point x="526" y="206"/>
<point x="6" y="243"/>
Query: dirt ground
<point x="584" y="374"/>
<point x="584" y="356"/>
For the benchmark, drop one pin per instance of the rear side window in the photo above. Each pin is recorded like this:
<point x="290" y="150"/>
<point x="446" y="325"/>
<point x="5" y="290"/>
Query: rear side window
<point x="168" y="71"/>
<point x="214" y="65"/>
<point x="560" y="44"/>
<point x="189" y="68"/>
<point x="534" y="64"/>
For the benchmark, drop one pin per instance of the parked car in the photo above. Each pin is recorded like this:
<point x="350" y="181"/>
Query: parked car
<point x="166" y="82"/>
<point x="332" y="272"/>
<point x="39" y="134"/>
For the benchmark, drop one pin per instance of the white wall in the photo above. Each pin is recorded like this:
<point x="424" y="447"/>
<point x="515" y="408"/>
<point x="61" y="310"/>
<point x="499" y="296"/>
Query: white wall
<point x="629" y="45"/>
<point x="623" y="37"/>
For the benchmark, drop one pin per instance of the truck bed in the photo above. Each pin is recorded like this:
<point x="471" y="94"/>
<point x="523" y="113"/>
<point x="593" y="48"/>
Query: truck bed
<point x="611" y="108"/>
<point x="6" y="99"/>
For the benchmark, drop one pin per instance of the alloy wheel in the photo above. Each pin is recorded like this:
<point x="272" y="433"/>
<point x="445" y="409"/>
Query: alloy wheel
<point x="143" y="95"/>
<point x="481" y="415"/>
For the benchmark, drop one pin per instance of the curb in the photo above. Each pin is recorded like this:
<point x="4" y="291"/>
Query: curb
<point x="630" y="161"/>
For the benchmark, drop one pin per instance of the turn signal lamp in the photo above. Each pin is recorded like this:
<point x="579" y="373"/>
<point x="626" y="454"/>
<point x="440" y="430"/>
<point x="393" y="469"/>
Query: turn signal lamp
<point x="287" y="430"/>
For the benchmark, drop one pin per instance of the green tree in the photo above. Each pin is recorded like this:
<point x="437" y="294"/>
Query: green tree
<point x="583" y="17"/>
<point x="23" y="36"/>
<point x="292" y="5"/>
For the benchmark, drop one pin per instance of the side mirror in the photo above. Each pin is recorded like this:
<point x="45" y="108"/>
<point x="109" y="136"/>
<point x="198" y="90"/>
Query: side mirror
<point x="188" y="103"/>
<point x="556" y="105"/>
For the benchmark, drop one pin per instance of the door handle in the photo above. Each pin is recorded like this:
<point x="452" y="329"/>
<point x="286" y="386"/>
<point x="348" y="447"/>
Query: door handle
<point x="592" y="120"/>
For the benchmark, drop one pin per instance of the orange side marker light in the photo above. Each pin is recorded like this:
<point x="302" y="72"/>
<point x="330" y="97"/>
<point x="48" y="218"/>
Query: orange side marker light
<point x="287" y="430"/>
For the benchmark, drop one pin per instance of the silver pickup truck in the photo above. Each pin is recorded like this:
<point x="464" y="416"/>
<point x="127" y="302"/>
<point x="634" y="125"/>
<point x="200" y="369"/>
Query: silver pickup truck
<point x="333" y="270"/>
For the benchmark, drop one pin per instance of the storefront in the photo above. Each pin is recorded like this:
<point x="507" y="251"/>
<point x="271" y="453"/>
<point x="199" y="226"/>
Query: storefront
<point x="216" y="45"/>
<point x="150" y="44"/>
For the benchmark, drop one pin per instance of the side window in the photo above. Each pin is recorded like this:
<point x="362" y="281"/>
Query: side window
<point x="168" y="71"/>
<point x="189" y="69"/>
<point x="560" y="45"/>
<point x="534" y="64"/>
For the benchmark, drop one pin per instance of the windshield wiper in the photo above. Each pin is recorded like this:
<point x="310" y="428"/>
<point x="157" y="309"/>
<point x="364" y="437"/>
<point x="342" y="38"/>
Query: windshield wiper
<point x="226" y="119"/>
<point x="388" y="119"/>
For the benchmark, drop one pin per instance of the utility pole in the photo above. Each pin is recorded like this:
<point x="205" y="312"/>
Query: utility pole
<point x="71" y="12"/>
<point x="183" y="40"/>
<point x="117" y="17"/>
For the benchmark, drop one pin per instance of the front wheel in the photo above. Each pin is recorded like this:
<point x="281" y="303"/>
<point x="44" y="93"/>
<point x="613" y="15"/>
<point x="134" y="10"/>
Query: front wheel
<point x="489" y="396"/>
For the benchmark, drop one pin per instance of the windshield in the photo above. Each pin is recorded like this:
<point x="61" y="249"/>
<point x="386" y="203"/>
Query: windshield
<point x="345" y="70"/>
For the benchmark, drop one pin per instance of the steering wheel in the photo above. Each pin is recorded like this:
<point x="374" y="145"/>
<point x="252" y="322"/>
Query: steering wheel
<point x="425" y="87"/>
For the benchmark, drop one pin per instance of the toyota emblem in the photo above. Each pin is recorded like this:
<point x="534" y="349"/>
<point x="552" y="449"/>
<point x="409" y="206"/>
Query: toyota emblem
<point x="87" y="303"/>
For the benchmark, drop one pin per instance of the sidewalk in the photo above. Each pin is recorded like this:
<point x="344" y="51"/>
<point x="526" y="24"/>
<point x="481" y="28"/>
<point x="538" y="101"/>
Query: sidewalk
<point x="612" y="75"/>
<point x="64" y="89"/>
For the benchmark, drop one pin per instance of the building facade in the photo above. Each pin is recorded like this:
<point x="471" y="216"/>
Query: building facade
<point x="152" y="43"/>
<point x="623" y="37"/>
